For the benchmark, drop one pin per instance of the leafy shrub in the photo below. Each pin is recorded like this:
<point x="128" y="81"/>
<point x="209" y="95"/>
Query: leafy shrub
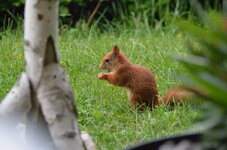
<point x="208" y="69"/>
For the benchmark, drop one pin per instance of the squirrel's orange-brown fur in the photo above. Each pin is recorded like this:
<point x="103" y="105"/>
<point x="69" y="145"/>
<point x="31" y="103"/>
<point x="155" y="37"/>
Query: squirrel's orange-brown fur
<point x="138" y="80"/>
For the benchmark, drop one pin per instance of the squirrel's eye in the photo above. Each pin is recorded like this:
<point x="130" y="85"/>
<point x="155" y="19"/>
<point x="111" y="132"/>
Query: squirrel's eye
<point x="107" y="60"/>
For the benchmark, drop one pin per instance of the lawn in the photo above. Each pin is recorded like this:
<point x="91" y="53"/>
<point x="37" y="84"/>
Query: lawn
<point x="104" y="109"/>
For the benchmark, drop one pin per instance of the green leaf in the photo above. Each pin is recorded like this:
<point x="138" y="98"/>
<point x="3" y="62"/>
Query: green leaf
<point x="215" y="88"/>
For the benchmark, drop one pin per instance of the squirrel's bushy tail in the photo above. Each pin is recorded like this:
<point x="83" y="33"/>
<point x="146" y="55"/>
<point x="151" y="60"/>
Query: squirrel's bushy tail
<point x="179" y="95"/>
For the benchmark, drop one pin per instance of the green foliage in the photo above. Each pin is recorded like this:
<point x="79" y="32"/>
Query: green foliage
<point x="4" y="6"/>
<point x="153" y="13"/>
<point x="208" y="69"/>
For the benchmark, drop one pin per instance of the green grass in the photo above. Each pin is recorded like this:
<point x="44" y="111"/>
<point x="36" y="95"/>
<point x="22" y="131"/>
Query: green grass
<point x="104" y="109"/>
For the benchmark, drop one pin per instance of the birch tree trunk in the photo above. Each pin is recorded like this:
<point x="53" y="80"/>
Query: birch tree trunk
<point x="51" y="89"/>
<point x="43" y="93"/>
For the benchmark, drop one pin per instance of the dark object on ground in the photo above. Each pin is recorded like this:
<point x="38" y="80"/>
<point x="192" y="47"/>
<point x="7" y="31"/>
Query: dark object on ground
<point x="171" y="143"/>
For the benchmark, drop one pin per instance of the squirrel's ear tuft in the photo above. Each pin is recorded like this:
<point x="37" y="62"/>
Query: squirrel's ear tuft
<point x="116" y="49"/>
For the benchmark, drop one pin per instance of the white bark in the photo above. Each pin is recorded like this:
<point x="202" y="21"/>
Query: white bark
<point x="57" y="102"/>
<point x="88" y="141"/>
<point x="41" y="21"/>
<point x="17" y="103"/>
<point x="49" y="80"/>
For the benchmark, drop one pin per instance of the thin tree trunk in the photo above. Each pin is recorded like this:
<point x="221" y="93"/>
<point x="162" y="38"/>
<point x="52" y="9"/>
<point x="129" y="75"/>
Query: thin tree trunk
<point x="40" y="22"/>
<point x="51" y="90"/>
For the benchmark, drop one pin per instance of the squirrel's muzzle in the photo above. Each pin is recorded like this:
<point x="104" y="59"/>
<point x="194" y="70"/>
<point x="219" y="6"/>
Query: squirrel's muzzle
<point x="100" y="66"/>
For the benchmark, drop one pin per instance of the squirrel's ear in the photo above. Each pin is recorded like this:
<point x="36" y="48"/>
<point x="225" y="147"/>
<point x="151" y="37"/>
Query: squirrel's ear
<point x="116" y="49"/>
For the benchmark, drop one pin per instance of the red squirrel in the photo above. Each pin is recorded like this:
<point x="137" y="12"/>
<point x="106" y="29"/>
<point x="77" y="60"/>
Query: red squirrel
<point x="140" y="82"/>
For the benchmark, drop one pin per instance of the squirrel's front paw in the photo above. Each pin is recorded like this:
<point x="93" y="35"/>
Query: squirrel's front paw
<point x="101" y="75"/>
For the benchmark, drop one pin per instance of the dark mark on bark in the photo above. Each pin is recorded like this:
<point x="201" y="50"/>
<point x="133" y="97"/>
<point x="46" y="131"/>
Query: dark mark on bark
<point x="26" y="43"/>
<point x="70" y="134"/>
<point x="59" y="117"/>
<point x="63" y="79"/>
<point x="50" y="53"/>
<point x="70" y="93"/>
<point x="40" y="17"/>
<point x="49" y="8"/>
<point x="67" y="96"/>
<point x="55" y="76"/>
<point x="36" y="49"/>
